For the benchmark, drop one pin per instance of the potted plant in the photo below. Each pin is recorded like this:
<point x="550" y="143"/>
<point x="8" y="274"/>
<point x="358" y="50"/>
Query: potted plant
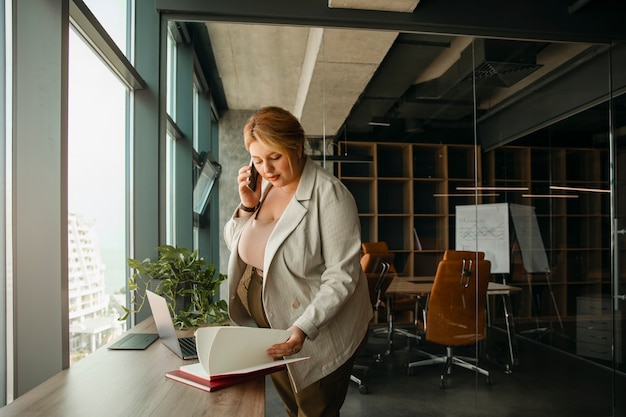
<point x="189" y="285"/>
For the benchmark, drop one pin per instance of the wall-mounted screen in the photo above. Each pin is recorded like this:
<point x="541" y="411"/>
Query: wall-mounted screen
<point x="209" y="173"/>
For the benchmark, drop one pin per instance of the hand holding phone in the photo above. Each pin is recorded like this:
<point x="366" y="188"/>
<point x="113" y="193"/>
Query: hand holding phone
<point x="254" y="177"/>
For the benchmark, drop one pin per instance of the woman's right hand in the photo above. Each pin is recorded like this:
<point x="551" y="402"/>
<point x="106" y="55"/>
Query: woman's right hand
<point x="248" y="197"/>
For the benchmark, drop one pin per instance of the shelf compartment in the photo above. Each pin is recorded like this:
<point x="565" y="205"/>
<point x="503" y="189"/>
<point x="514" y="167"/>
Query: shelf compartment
<point x="541" y="163"/>
<point x="393" y="161"/>
<point x="462" y="161"/>
<point x="363" y="193"/>
<point x="393" y="196"/>
<point x="356" y="169"/>
<point x="397" y="231"/>
<point x="428" y="162"/>
<point x="401" y="262"/>
<point x="510" y="164"/>
<point x="431" y="231"/>
<point x="424" y="201"/>
<point x="367" y="228"/>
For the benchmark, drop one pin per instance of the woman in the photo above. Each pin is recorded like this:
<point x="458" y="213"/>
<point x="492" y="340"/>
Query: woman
<point x="294" y="264"/>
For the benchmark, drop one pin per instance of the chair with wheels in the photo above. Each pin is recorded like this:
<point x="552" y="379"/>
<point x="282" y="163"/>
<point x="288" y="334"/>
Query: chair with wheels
<point x="399" y="306"/>
<point x="376" y="269"/>
<point x="454" y="314"/>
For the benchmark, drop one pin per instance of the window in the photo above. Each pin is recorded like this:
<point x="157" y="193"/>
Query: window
<point x="97" y="223"/>
<point x="170" y="143"/>
<point x="170" y="189"/>
<point x="112" y="15"/>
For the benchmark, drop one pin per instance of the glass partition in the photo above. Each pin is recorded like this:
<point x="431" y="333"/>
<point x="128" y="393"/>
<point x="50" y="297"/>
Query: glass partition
<point x="458" y="143"/>
<point x="614" y="295"/>
<point x="555" y="177"/>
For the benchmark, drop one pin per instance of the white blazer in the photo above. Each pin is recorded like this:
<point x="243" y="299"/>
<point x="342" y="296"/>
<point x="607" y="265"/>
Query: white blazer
<point x="313" y="278"/>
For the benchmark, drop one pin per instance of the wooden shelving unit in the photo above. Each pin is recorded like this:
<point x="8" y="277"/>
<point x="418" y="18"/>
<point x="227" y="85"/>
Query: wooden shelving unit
<point x="407" y="189"/>
<point x="403" y="194"/>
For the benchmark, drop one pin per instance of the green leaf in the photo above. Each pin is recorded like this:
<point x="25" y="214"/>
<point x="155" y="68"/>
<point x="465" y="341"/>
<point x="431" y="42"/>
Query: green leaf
<point x="187" y="282"/>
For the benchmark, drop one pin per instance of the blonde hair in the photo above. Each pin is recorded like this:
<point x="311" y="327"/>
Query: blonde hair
<point x="277" y="130"/>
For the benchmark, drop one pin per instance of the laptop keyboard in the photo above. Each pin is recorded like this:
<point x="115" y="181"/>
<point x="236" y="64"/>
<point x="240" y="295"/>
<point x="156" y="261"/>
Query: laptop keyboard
<point x="188" y="345"/>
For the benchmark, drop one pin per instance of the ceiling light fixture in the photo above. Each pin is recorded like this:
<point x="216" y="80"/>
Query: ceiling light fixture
<point x="379" y="121"/>
<point x="591" y="190"/>
<point x="549" y="196"/>
<point x="481" y="188"/>
<point x="467" y="195"/>
<point x="342" y="158"/>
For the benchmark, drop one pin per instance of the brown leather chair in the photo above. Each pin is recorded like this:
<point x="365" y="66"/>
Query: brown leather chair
<point x="401" y="306"/>
<point x="455" y="311"/>
<point x="377" y="268"/>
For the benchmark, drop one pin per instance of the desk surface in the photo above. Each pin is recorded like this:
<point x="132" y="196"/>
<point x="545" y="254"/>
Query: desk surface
<point x="421" y="286"/>
<point x="132" y="383"/>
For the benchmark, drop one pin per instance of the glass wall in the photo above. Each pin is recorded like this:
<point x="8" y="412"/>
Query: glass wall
<point x="614" y="294"/>
<point x="555" y="176"/>
<point x="502" y="146"/>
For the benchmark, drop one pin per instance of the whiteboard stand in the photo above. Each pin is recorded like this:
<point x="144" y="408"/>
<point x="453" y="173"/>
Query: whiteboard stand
<point x="556" y="307"/>
<point x="534" y="257"/>
<point x="541" y="330"/>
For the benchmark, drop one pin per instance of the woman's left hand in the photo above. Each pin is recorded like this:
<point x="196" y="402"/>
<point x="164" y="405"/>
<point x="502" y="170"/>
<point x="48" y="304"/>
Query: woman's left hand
<point x="291" y="346"/>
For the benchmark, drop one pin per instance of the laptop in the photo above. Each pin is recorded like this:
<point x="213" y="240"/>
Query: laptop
<point x="184" y="347"/>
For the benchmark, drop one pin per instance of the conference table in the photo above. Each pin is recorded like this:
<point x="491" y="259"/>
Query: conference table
<point x="132" y="383"/>
<point x="422" y="286"/>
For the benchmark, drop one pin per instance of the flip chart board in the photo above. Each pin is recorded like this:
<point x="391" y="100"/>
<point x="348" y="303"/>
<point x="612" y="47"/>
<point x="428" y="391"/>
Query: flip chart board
<point x="528" y="236"/>
<point x="485" y="228"/>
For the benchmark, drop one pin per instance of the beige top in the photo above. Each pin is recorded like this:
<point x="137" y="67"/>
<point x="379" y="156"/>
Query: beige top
<point x="254" y="240"/>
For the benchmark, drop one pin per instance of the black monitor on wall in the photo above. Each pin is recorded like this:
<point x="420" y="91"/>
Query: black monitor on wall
<point x="207" y="177"/>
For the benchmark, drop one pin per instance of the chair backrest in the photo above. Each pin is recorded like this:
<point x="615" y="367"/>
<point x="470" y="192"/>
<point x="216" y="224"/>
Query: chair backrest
<point x="376" y="248"/>
<point x="462" y="254"/>
<point x="370" y="262"/>
<point x="378" y="272"/>
<point x="455" y="313"/>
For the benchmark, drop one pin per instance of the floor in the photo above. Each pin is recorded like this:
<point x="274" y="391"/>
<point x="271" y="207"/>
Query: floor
<point x="545" y="382"/>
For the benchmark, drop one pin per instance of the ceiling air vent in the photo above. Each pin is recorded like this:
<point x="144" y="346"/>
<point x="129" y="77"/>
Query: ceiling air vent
<point x="498" y="63"/>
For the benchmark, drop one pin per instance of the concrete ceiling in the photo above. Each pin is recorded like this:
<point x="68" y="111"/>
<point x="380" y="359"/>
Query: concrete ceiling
<point x="406" y="6"/>
<point x="318" y="74"/>
<point x="332" y="77"/>
<point x="336" y="80"/>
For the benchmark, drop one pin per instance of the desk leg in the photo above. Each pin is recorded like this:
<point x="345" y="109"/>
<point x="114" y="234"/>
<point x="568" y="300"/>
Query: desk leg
<point x="510" y="331"/>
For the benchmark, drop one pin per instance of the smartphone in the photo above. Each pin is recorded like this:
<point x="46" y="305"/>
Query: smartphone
<point x="254" y="176"/>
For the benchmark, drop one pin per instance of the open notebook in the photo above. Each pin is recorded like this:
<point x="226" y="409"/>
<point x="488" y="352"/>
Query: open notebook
<point x="230" y="355"/>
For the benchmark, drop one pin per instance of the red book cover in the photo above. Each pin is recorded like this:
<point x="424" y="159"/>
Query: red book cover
<point x="222" y="381"/>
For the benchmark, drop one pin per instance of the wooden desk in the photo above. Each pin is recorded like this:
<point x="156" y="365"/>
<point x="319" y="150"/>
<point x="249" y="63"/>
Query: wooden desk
<point x="421" y="287"/>
<point x="132" y="383"/>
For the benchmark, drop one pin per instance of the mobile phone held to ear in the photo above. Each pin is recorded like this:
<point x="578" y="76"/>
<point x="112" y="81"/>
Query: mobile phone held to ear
<point x="254" y="177"/>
